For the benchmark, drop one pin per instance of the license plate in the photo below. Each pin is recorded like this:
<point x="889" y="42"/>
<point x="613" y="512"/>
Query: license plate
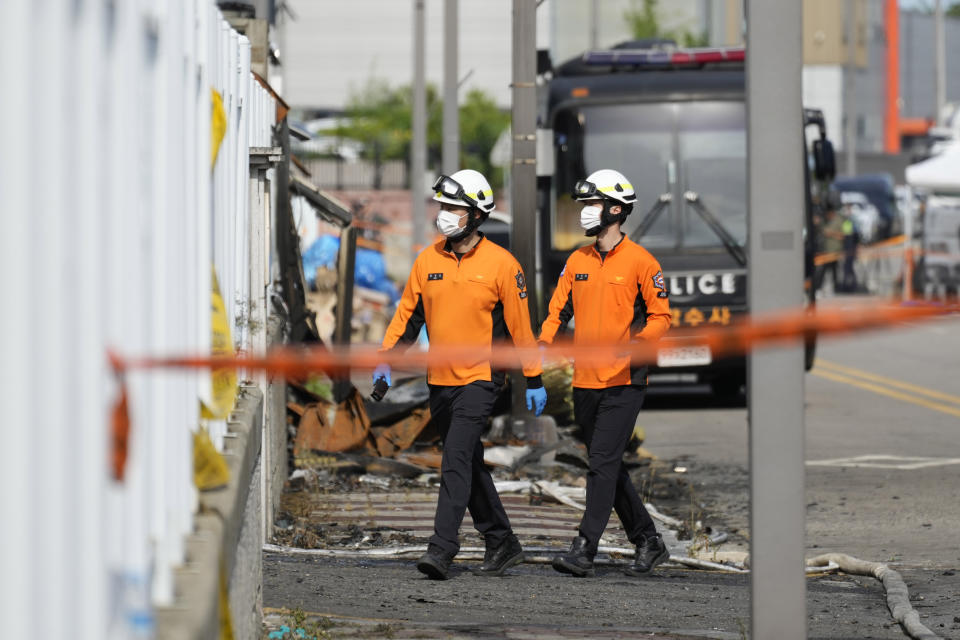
<point x="684" y="356"/>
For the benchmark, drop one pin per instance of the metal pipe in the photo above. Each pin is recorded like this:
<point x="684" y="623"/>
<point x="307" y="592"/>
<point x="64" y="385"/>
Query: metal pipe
<point x="940" y="62"/>
<point x="775" y="280"/>
<point x="891" y="129"/>
<point x="451" y="114"/>
<point x="346" y="261"/>
<point x="418" y="146"/>
<point x="523" y="172"/>
<point x="849" y="98"/>
<point x="594" y="24"/>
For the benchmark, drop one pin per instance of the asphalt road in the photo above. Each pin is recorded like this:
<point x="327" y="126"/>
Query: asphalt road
<point x="536" y="602"/>
<point x="894" y="394"/>
<point x="887" y="400"/>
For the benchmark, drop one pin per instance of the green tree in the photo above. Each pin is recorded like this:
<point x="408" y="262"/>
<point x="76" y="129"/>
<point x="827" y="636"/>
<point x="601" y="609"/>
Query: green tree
<point x="954" y="10"/>
<point x="380" y="118"/>
<point x="643" y="20"/>
<point x="644" y="23"/>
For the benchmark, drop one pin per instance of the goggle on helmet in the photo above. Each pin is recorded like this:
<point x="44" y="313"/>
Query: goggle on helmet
<point x="586" y="190"/>
<point x="450" y="188"/>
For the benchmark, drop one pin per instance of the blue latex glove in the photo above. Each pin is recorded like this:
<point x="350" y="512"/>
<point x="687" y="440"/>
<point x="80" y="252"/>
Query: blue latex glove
<point x="536" y="400"/>
<point x="382" y="371"/>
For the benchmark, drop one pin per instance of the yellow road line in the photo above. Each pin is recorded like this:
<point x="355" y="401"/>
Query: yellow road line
<point x="936" y="406"/>
<point x="890" y="382"/>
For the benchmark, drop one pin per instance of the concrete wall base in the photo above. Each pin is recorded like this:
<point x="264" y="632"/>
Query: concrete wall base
<point x="228" y="530"/>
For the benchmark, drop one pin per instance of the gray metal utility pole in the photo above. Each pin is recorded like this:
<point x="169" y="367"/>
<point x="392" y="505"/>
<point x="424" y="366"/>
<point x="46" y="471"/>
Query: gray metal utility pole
<point x="775" y="281"/>
<point x="418" y="146"/>
<point x="850" y="96"/>
<point x="523" y="174"/>
<point x="523" y="168"/>
<point x="451" y="102"/>
<point x="940" y="63"/>
<point x="594" y="24"/>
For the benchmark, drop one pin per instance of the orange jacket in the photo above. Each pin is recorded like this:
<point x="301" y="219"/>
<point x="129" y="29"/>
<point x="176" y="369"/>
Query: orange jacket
<point x="476" y="300"/>
<point x="617" y="299"/>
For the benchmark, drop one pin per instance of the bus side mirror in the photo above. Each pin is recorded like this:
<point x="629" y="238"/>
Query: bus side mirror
<point x="824" y="162"/>
<point x="544" y="63"/>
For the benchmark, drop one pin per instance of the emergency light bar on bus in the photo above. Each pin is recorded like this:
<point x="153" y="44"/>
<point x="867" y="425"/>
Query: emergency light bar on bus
<point x="660" y="57"/>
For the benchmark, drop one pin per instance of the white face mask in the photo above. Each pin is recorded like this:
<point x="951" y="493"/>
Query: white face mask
<point x="590" y="216"/>
<point x="448" y="223"/>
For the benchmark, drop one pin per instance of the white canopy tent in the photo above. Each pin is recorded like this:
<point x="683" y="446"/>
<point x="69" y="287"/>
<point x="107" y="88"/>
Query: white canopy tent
<point x="939" y="174"/>
<point x="939" y="177"/>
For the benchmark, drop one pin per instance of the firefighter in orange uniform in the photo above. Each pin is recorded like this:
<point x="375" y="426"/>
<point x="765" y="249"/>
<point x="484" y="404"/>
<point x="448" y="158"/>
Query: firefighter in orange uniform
<point x="616" y="292"/>
<point x="468" y="292"/>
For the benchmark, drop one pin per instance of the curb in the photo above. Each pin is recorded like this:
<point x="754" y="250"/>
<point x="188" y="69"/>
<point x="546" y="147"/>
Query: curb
<point x="226" y="524"/>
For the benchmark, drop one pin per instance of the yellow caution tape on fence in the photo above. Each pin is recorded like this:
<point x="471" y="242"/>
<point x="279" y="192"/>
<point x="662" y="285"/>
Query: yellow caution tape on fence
<point x="223" y="380"/>
<point x="210" y="470"/>
<point x="218" y="126"/>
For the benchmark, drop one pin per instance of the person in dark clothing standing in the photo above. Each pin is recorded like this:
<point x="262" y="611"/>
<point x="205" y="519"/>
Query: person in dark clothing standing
<point x="468" y="292"/>
<point x="851" y="239"/>
<point x="617" y="293"/>
<point x="831" y="244"/>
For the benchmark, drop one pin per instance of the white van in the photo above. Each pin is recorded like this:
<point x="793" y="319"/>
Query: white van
<point x="941" y="244"/>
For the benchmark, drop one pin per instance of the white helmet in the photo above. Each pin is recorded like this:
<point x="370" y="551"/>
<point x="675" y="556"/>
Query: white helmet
<point x="465" y="188"/>
<point x="605" y="183"/>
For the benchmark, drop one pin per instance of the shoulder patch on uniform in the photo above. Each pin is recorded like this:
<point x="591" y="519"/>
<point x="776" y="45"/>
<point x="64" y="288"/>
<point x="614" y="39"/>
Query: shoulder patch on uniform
<point x="521" y="284"/>
<point x="435" y="276"/>
<point x="660" y="283"/>
<point x="582" y="276"/>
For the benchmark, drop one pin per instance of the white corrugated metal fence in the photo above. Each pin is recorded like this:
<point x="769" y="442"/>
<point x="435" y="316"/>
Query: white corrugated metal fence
<point x="111" y="219"/>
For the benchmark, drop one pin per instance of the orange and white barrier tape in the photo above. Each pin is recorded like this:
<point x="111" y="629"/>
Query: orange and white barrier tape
<point x="738" y="338"/>
<point x="874" y="251"/>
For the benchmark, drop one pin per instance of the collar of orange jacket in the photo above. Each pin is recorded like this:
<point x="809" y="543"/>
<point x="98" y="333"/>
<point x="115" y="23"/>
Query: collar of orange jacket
<point x="445" y="246"/>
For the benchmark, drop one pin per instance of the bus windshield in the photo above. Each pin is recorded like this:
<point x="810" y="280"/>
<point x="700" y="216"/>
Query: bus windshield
<point x="662" y="148"/>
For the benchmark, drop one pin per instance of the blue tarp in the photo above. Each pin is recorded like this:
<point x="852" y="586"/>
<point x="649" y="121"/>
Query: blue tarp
<point x="369" y="272"/>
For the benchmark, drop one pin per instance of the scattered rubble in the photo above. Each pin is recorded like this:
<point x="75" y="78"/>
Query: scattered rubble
<point x="365" y="476"/>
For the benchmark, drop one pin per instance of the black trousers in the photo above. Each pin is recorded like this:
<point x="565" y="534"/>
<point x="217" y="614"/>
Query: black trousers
<point x="607" y="418"/>
<point x="461" y="414"/>
<point x="849" y="275"/>
<point x="821" y="276"/>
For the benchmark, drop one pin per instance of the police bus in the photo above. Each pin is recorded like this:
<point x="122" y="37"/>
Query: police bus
<point x="674" y="122"/>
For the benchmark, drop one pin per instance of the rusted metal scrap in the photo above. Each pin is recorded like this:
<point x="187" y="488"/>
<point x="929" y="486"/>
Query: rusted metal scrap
<point x="346" y="427"/>
<point x="401" y="435"/>
<point x="333" y="427"/>
<point x="429" y="458"/>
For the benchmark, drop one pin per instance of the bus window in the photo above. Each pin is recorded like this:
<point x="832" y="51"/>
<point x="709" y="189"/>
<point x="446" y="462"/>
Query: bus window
<point x="713" y="156"/>
<point x="635" y="139"/>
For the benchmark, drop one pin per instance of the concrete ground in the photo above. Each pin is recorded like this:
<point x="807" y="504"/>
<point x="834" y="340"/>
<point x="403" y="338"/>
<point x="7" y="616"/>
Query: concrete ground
<point x="883" y="458"/>
<point x="534" y="601"/>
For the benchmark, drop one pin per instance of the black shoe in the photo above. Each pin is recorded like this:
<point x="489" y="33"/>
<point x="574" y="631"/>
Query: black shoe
<point x="500" y="558"/>
<point x="435" y="563"/>
<point x="650" y="552"/>
<point x="578" y="561"/>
